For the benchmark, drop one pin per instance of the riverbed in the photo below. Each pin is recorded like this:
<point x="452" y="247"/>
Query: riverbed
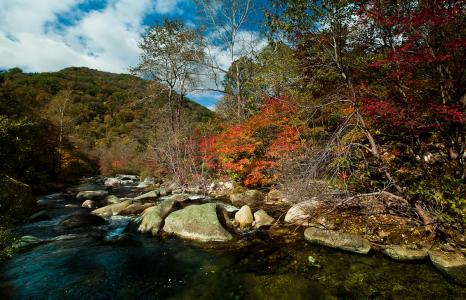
<point x="112" y="262"/>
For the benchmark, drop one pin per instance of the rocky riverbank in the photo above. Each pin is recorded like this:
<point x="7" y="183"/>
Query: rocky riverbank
<point x="223" y="217"/>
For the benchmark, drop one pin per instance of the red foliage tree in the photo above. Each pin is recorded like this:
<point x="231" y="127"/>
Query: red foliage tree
<point x="249" y="151"/>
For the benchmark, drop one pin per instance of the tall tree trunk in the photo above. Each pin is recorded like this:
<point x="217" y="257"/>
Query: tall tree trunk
<point x="239" y="99"/>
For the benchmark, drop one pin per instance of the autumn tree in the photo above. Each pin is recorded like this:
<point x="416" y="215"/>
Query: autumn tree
<point x="418" y="51"/>
<point x="324" y="34"/>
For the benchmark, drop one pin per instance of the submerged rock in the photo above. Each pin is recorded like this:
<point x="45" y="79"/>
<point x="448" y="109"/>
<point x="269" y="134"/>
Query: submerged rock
<point x="402" y="253"/>
<point x="198" y="223"/>
<point x="451" y="264"/>
<point x="244" y="217"/>
<point x="80" y="220"/>
<point x="92" y="195"/>
<point x="313" y="262"/>
<point x="340" y="240"/>
<point x="252" y="198"/>
<point x="39" y="216"/>
<point x="261" y="218"/>
<point x="28" y="241"/>
<point x="51" y="200"/>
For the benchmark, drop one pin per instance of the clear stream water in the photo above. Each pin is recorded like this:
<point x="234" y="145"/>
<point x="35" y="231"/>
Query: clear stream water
<point x="122" y="265"/>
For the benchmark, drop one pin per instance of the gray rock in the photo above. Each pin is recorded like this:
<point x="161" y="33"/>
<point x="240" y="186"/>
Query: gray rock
<point x="164" y="191"/>
<point x="152" y="217"/>
<point x="147" y="182"/>
<point x="252" y="198"/>
<point x="112" y="199"/>
<point x="197" y="222"/>
<point x="92" y="195"/>
<point x="28" y="241"/>
<point x="261" y="218"/>
<point x="51" y="200"/>
<point x="451" y="264"/>
<point x="112" y="209"/>
<point x="135" y="208"/>
<point x="340" y="240"/>
<point x="244" y="217"/>
<point x="178" y="197"/>
<point x="299" y="214"/>
<point x="80" y="220"/>
<point x="152" y="195"/>
<point x="151" y="221"/>
<point x="167" y="206"/>
<point x="276" y="196"/>
<point x="89" y="204"/>
<point x="87" y="187"/>
<point x="227" y="207"/>
<point x="39" y="216"/>
<point x="402" y="253"/>
<point x="112" y="182"/>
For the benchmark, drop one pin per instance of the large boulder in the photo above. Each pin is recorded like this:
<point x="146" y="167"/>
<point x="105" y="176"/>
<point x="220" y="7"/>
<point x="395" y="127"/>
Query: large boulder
<point x="152" y="217"/>
<point x="300" y="214"/>
<point x="262" y="218"/>
<point x="197" y="222"/>
<point x="252" y="198"/>
<point x="244" y="217"/>
<point x="112" y="209"/>
<point x="340" y="240"/>
<point x="397" y="252"/>
<point x="16" y="200"/>
<point x="80" y="220"/>
<point x="451" y="264"/>
<point x="151" y="222"/>
<point x="92" y="195"/>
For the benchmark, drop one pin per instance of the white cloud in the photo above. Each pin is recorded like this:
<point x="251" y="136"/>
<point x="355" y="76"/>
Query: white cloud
<point x="248" y="43"/>
<point x="32" y="38"/>
<point x="168" y="6"/>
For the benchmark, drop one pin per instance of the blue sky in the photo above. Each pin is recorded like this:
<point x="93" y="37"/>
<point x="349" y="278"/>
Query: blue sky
<point x="49" y="35"/>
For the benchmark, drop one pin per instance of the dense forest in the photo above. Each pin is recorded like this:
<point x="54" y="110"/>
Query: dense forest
<point x="347" y="98"/>
<point x="56" y="127"/>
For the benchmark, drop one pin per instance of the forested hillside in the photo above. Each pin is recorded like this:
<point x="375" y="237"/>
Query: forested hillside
<point x="78" y="120"/>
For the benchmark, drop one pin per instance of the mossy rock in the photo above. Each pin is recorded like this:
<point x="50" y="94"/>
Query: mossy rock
<point x="16" y="199"/>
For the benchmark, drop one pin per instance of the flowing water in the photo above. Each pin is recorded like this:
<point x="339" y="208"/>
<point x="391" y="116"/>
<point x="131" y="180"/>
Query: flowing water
<point x="116" y="264"/>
